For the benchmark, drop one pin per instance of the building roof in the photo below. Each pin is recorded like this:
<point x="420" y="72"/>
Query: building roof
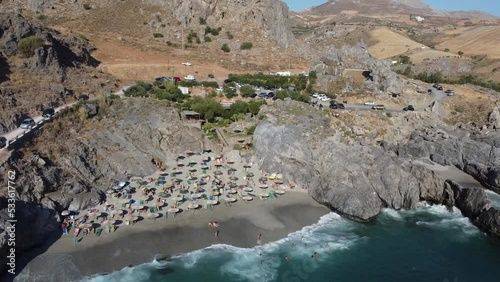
<point x="189" y="113"/>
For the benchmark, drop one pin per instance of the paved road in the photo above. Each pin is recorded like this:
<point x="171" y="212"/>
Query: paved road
<point x="18" y="131"/>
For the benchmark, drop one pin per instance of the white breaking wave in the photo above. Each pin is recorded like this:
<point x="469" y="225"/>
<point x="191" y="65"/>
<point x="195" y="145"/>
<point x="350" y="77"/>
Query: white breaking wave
<point x="494" y="198"/>
<point x="261" y="263"/>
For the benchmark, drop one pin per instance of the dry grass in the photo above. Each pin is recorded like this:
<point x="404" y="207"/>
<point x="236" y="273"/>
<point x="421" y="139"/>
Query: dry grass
<point x="476" y="41"/>
<point x="468" y="105"/>
<point x="391" y="44"/>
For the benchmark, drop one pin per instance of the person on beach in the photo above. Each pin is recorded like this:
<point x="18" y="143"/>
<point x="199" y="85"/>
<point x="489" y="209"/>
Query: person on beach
<point x="217" y="234"/>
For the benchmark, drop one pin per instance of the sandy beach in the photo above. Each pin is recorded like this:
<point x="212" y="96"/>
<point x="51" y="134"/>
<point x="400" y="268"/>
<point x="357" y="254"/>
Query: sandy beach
<point x="188" y="231"/>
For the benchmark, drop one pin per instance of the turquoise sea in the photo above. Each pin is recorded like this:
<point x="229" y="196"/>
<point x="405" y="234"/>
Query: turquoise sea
<point x="426" y="244"/>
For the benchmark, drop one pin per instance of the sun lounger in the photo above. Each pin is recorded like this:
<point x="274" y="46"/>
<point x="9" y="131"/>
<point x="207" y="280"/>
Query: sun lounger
<point x="98" y="232"/>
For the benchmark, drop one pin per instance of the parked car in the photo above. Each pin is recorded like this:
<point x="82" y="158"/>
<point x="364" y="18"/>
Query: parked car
<point x="409" y="108"/>
<point x="325" y="99"/>
<point x="270" y="95"/>
<point x="83" y="98"/>
<point x="370" y="103"/>
<point x="48" y="113"/>
<point x="219" y="90"/>
<point x="3" y="142"/>
<point x="176" y="78"/>
<point x="189" y="77"/>
<point x="164" y="78"/>
<point x="27" y="123"/>
<point x="449" y="92"/>
<point x="211" y="75"/>
<point x="315" y="95"/>
<point x="438" y="87"/>
<point x="429" y="91"/>
<point x="262" y="95"/>
<point x="379" y="107"/>
<point x="187" y="64"/>
<point x="340" y="106"/>
<point x="227" y="81"/>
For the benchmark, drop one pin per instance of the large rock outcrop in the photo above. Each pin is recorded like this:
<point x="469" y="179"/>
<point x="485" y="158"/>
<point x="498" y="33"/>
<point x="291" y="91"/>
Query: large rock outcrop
<point x="270" y="15"/>
<point x="355" y="181"/>
<point x="331" y="66"/>
<point x="478" y="156"/>
<point x="474" y="204"/>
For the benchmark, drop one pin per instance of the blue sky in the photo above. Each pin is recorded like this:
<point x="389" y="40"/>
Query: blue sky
<point x="490" y="6"/>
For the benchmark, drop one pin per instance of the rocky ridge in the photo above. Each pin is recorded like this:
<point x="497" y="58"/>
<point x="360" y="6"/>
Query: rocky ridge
<point x="53" y="73"/>
<point x="356" y="181"/>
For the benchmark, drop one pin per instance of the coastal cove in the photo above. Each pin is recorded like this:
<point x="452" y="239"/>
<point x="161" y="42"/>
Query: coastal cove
<point x="141" y="243"/>
<point x="430" y="243"/>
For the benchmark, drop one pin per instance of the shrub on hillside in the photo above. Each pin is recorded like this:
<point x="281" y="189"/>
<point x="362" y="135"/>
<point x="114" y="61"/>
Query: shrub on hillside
<point x="207" y="39"/>
<point x="225" y="48"/>
<point x="229" y="35"/>
<point x="203" y="21"/>
<point x="87" y="6"/>
<point x="246" y="46"/>
<point x="158" y="35"/>
<point x="28" y="45"/>
<point x="247" y="91"/>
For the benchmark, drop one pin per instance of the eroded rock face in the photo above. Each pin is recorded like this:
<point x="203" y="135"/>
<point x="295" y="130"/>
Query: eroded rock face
<point x="332" y="64"/>
<point x="271" y="15"/>
<point x="494" y="118"/>
<point x="477" y="156"/>
<point x="355" y="181"/>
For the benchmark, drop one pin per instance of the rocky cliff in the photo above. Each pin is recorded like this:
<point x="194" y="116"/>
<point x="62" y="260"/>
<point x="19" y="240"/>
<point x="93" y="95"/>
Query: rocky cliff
<point x="270" y="15"/>
<point x="76" y="159"/>
<point x="355" y="181"/>
<point x="478" y="156"/>
<point x="331" y="67"/>
<point x="45" y="72"/>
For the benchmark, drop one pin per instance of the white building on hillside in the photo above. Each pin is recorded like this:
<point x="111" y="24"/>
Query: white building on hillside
<point x="419" y="19"/>
<point x="281" y="73"/>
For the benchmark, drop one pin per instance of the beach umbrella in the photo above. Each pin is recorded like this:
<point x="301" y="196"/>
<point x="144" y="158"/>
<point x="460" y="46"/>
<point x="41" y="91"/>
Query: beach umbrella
<point x="204" y="167"/>
<point x="250" y="174"/>
<point x="233" y="185"/>
<point x="180" y="164"/>
<point x="278" y="181"/>
<point x="163" y="194"/>
<point x="234" y="178"/>
<point x="173" y="210"/>
<point x="241" y="140"/>
<point x="247" y="165"/>
<point x="279" y="176"/>
<point x="263" y="179"/>
<point x="218" y="165"/>
<point x="193" y="206"/>
<point x="230" y="162"/>
<point x="181" y="157"/>
<point x="263" y="186"/>
<point x="65" y="213"/>
<point x="189" y="153"/>
<point x="85" y="225"/>
<point x="152" y="215"/>
<point x="131" y="218"/>
<point x="218" y="172"/>
<point x="108" y="222"/>
<point x="192" y="162"/>
<point x="192" y="169"/>
<point x="117" y="212"/>
<point x="233" y="169"/>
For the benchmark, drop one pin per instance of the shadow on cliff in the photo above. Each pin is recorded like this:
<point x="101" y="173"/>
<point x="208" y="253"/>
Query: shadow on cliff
<point x="36" y="230"/>
<point x="4" y="69"/>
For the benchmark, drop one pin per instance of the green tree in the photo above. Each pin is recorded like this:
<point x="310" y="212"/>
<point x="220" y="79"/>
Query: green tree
<point x="247" y="91"/>
<point x="207" y="39"/>
<point x="460" y="53"/>
<point x="28" y="45"/>
<point x="254" y="106"/>
<point x="239" y="107"/>
<point x="225" y="48"/>
<point x="229" y="91"/>
<point x="313" y="75"/>
<point x="203" y="21"/>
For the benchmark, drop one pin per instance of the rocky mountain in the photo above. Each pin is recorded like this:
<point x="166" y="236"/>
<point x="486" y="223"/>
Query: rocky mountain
<point x="42" y="68"/>
<point x="373" y="7"/>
